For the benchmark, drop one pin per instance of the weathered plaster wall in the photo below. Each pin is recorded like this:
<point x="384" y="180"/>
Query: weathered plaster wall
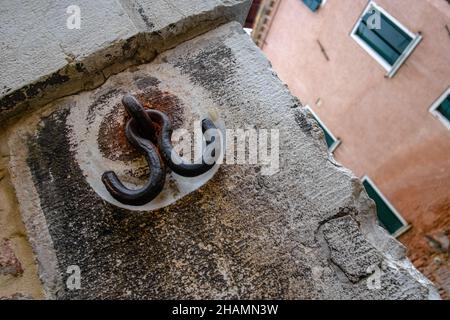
<point x="308" y="231"/>
<point x="18" y="270"/>
<point x="386" y="129"/>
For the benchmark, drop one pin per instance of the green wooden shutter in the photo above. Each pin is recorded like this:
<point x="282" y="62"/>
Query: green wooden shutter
<point x="386" y="217"/>
<point x="313" y="4"/>
<point x="389" y="41"/>
<point x="444" y="108"/>
<point x="328" y="138"/>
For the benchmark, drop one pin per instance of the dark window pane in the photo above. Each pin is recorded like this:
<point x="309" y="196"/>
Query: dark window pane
<point x="389" y="41"/>
<point x="386" y="217"/>
<point x="393" y="35"/>
<point x="313" y="4"/>
<point x="377" y="44"/>
<point x="444" y="108"/>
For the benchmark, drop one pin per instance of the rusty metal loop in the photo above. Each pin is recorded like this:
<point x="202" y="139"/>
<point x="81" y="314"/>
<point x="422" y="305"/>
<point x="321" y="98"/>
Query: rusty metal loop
<point x="137" y="112"/>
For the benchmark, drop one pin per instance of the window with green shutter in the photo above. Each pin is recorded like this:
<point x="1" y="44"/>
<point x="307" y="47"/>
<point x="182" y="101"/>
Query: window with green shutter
<point x="328" y="138"/>
<point x="389" y="41"/>
<point x="331" y="140"/>
<point x="441" y="108"/>
<point x="384" y="37"/>
<point x="444" y="108"/>
<point x="388" y="217"/>
<point x="313" y="4"/>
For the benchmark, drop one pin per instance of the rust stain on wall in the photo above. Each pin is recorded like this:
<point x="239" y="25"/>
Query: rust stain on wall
<point x="112" y="141"/>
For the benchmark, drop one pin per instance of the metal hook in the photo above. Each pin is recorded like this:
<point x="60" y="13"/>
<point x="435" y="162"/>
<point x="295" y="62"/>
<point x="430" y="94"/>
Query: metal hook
<point x="137" y="112"/>
<point x="173" y="160"/>
<point x="156" y="181"/>
<point x="140" y="131"/>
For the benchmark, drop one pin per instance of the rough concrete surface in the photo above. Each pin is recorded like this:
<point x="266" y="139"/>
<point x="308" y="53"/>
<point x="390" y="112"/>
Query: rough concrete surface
<point x="42" y="59"/>
<point x="308" y="231"/>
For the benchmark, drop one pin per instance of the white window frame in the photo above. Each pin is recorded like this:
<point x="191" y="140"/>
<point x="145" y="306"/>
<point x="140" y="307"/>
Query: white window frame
<point x="390" y="69"/>
<point x="406" y="226"/>
<point x="435" y="112"/>
<point x="337" y="142"/>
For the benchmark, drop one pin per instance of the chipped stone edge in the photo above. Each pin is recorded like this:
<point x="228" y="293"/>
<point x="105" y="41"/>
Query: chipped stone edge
<point x="393" y="252"/>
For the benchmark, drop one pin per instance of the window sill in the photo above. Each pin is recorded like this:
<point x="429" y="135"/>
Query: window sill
<point x="391" y="69"/>
<point x="440" y="117"/>
<point x="402" y="231"/>
<point x="435" y="112"/>
<point x="335" y="145"/>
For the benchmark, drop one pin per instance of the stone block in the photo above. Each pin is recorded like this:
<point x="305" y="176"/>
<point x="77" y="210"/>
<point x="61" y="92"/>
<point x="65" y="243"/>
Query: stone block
<point x="42" y="59"/>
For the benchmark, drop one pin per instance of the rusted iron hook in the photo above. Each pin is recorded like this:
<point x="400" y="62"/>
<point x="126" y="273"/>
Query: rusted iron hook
<point x="156" y="181"/>
<point x="140" y="131"/>
<point x="173" y="160"/>
<point x="137" y="112"/>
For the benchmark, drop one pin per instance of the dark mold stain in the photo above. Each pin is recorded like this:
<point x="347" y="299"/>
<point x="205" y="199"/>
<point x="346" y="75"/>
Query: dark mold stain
<point x="146" y="82"/>
<point x="211" y="68"/>
<point x="30" y="91"/>
<point x="5" y="89"/>
<point x="150" y="25"/>
<point x="128" y="46"/>
<point x="12" y="99"/>
<point x="80" y="67"/>
<point x="157" y="33"/>
<point x="53" y="80"/>
<point x="303" y="121"/>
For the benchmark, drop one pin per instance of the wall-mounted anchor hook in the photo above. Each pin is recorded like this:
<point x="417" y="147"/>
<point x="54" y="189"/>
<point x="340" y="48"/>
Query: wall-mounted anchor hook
<point x="140" y="131"/>
<point x="156" y="181"/>
<point x="173" y="160"/>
